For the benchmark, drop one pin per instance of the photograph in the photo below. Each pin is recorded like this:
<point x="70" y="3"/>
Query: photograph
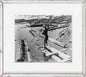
<point x="43" y="38"/>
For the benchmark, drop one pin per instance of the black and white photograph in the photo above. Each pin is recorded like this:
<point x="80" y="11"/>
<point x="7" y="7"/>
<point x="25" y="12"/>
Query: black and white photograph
<point x="43" y="38"/>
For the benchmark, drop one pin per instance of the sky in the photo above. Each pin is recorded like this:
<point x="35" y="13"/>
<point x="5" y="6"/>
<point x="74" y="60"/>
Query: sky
<point x="31" y="16"/>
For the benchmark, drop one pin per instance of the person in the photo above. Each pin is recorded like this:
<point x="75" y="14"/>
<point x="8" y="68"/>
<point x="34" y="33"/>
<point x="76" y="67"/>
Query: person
<point x="29" y="55"/>
<point x="22" y="49"/>
<point x="45" y="33"/>
<point x="22" y="52"/>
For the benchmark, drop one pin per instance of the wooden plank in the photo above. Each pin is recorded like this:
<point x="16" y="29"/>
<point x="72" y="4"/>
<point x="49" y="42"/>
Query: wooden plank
<point x="56" y="51"/>
<point x="57" y="42"/>
<point x="61" y="58"/>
